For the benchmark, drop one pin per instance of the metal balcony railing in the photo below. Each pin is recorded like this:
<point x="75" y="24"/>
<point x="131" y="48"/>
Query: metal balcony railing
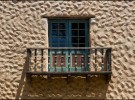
<point x="68" y="61"/>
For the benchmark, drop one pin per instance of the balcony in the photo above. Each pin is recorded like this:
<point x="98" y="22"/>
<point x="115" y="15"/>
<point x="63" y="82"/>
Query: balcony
<point x="69" y="61"/>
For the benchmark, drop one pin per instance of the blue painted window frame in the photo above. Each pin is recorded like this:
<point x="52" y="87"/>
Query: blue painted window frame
<point x="68" y="29"/>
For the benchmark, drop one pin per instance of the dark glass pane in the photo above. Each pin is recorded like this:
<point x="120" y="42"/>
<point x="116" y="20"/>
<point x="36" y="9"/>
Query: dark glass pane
<point x="75" y="45"/>
<point x="54" y="25"/>
<point x="81" y="45"/>
<point x="74" y="25"/>
<point x="54" y="32"/>
<point x="62" y="45"/>
<point x="62" y="33"/>
<point x="55" y="40"/>
<point x="54" y="45"/>
<point x="81" y="25"/>
<point x="62" y="26"/>
<point x="50" y="41"/>
<point x="74" y="32"/>
<point x="81" y="32"/>
<point x="74" y="39"/>
<point x="62" y="39"/>
<point x="82" y="40"/>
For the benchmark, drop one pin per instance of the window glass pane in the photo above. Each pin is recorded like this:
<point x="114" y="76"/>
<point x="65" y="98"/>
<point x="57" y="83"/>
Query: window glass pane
<point x="62" y="33"/>
<point x="81" y="39"/>
<point x="81" y="45"/>
<point x="54" y="32"/>
<point x="75" y="45"/>
<point x="74" y="25"/>
<point x="62" y="39"/>
<point x="74" y="39"/>
<point x="54" y="25"/>
<point x="62" y="26"/>
<point x="74" y="32"/>
<point x="81" y="25"/>
<point x="55" y="40"/>
<point x="54" y="45"/>
<point x="81" y="32"/>
<point x="62" y="45"/>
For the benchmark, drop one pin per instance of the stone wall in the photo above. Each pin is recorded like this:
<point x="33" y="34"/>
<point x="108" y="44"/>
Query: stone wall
<point x="21" y="26"/>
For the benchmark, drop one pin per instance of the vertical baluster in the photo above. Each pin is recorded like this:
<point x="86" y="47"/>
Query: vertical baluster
<point x="82" y="62"/>
<point x="49" y="60"/>
<point x="110" y="59"/>
<point x="35" y="60"/>
<point x="75" y="60"/>
<point x="109" y="53"/>
<point x="49" y="63"/>
<point x="89" y="60"/>
<point x="86" y="60"/>
<point x="106" y="59"/>
<point x="69" y="62"/>
<point x="61" y="62"/>
<point x="102" y="65"/>
<point x="28" y="60"/>
<point x="55" y="60"/>
<point x="81" y="67"/>
<point x="42" y="55"/>
<point x="95" y="59"/>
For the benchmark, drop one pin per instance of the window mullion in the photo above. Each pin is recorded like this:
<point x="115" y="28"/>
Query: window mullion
<point x="58" y="35"/>
<point x="69" y="33"/>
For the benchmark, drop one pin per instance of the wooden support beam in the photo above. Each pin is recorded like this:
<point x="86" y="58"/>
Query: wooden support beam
<point x="49" y="77"/>
<point x="68" y="78"/>
<point x="107" y="78"/>
<point x="88" y="77"/>
<point x="29" y="77"/>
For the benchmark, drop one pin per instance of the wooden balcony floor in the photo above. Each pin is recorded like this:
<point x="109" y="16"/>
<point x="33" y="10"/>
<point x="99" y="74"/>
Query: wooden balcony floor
<point x="70" y="73"/>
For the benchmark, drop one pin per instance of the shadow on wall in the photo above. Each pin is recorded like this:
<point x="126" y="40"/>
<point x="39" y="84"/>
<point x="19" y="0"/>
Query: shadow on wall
<point x="58" y="88"/>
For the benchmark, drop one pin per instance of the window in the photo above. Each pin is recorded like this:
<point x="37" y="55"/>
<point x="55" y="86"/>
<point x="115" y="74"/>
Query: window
<point x="68" y="33"/>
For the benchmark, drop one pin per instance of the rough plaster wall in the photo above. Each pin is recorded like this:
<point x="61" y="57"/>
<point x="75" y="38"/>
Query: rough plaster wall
<point x="21" y="26"/>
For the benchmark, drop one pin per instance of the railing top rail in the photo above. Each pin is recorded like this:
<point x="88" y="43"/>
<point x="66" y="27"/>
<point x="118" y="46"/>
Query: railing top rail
<point x="59" y="48"/>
